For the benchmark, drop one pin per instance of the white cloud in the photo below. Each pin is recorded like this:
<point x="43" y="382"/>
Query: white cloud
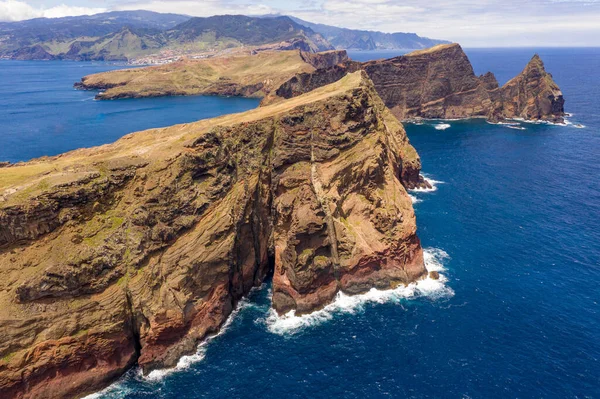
<point x="13" y="10"/>
<point x="469" y="22"/>
<point x="198" y="9"/>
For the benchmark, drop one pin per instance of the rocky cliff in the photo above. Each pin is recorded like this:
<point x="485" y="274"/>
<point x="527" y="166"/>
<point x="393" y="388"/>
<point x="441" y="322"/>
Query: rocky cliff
<point x="131" y="253"/>
<point x="242" y="74"/>
<point x="440" y="83"/>
<point x="435" y="83"/>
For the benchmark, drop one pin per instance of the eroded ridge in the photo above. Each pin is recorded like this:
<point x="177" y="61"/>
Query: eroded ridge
<point x="439" y="83"/>
<point x="133" y="252"/>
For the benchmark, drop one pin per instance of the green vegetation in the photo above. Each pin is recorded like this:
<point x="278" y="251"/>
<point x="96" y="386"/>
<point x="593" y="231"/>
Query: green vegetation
<point x="129" y="37"/>
<point x="100" y="227"/>
<point x="8" y="357"/>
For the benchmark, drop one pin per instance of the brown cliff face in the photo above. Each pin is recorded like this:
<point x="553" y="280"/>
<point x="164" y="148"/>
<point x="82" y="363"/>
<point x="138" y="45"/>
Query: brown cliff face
<point x="434" y="83"/>
<point x="135" y="251"/>
<point x="440" y="83"/>
<point x="325" y="59"/>
<point x="532" y="95"/>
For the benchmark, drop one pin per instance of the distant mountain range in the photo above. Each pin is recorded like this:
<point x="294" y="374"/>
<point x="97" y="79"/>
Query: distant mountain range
<point x="352" y="39"/>
<point x="129" y="35"/>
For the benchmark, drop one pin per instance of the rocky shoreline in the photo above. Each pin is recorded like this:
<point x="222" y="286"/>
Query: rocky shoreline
<point x="439" y="83"/>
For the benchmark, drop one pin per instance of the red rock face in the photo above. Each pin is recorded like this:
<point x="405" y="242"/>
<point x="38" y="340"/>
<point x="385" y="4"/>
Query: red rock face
<point x="136" y="251"/>
<point x="341" y="223"/>
<point x="440" y="83"/>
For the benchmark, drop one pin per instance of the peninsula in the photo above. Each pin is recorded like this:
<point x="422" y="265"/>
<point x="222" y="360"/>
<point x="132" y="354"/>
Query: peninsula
<point x="435" y="83"/>
<point x="132" y="252"/>
<point x="247" y="74"/>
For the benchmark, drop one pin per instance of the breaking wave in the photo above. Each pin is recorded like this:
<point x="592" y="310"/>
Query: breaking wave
<point x="120" y="388"/>
<point x="566" y="123"/>
<point x="344" y="304"/>
<point x="573" y="124"/>
<point x="414" y="199"/>
<point x="433" y="183"/>
<point x="185" y="362"/>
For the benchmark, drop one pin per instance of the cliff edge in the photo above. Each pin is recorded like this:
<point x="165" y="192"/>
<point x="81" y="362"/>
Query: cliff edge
<point x="131" y="253"/>
<point x="439" y="83"/>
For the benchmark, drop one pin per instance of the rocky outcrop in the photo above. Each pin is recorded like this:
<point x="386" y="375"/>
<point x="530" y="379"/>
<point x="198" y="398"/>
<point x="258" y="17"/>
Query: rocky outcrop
<point x="532" y="95"/>
<point x="305" y="82"/>
<point x="133" y="252"/>
<point x="326" y="59"/>
<point x="436" y="83"/>
<point x="440" y="83"/>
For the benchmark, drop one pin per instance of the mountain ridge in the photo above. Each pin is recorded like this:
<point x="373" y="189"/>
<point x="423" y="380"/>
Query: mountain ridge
<point x="131" y="36"/>
<point x="356" y="39"/>
<point x="167" y="36"/>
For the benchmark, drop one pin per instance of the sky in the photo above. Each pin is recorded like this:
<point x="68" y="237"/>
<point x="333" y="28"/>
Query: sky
<point x="472" y="23"/>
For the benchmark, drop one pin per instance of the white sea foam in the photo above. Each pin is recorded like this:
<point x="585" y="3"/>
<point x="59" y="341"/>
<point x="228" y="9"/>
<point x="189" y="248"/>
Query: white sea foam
<point x="573" y="124"/>
<point x="442" y="126"/>
<point x="433" y="289"/>
<point x="414" y="199"/>
<point x="510" y="125"/>
<point x="433" y="183"/>
<point x="185" y="362"/>
<point x="118" y="389"/>
<point x="540" y="122"/>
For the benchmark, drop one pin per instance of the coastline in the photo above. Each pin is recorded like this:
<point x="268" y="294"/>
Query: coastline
<point x="290" y="324"/>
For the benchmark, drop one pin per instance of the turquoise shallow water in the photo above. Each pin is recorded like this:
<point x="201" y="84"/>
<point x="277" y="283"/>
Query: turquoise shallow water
<point x="514" y="223"/>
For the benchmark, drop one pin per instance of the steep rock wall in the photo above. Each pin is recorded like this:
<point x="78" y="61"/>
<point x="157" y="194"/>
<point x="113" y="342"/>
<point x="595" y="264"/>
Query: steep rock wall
<point x="133" y="252"/>
<point x="440" y="83"/>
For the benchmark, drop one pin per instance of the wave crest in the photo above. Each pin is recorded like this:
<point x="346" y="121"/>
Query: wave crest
<point x="434" y="186"/>
<point x="343" y="304"/>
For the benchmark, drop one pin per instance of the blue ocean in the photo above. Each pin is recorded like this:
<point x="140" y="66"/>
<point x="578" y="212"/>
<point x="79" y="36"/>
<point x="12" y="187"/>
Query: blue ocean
<point x="512" y="224"/>
<point x="41" y="114"/>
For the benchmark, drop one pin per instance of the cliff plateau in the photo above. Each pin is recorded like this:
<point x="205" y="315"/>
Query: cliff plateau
<point x="131" y="253"/>
<point x="242" y="74"/>
<point x="435" y="83"/>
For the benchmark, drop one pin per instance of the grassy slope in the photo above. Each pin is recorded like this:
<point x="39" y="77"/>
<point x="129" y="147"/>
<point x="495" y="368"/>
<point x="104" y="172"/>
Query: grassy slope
<point x="190" y="77"/>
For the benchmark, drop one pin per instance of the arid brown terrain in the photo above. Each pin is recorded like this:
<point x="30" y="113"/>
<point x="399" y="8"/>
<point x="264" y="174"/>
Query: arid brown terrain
<point x="133" y="252"/>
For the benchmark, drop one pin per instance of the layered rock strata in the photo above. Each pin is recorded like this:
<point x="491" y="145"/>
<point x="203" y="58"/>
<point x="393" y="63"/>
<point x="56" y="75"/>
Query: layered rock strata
<point x="131" y="253"/>
<point x="440" y="83"/>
